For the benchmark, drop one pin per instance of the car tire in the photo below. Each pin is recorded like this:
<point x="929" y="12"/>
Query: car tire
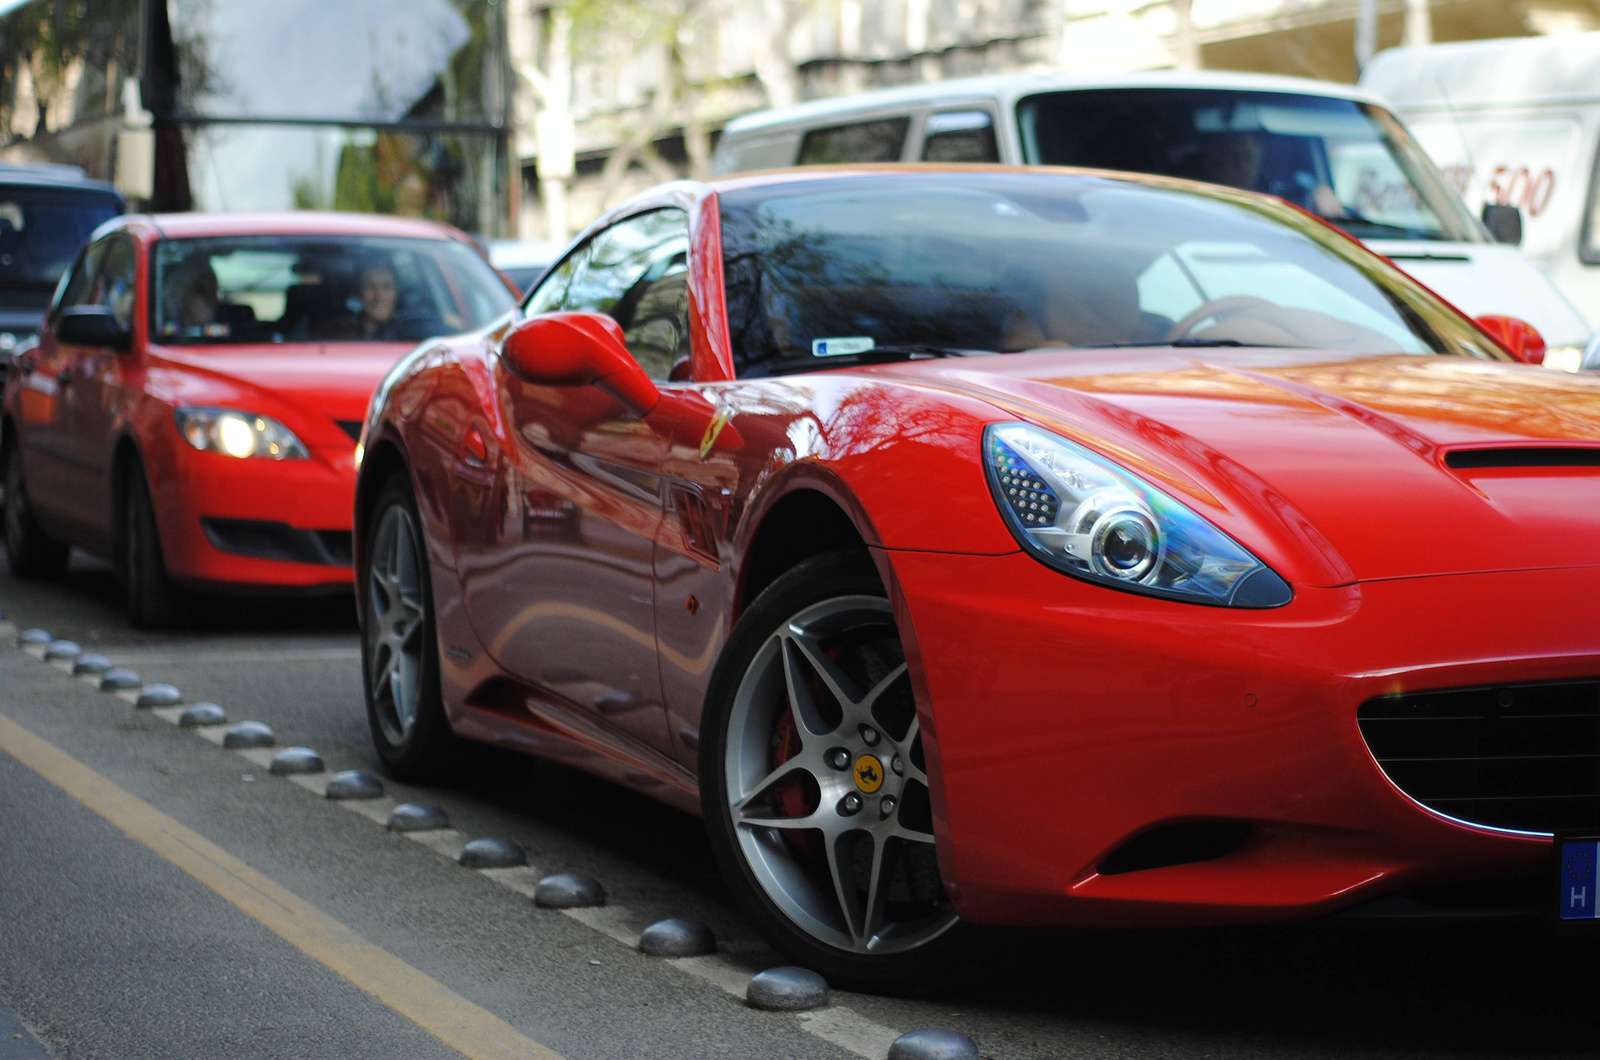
<point x="858" y="897"/>
<point x="30" y="552"/>
<point x="399" y="642"/>
<point x="154" y="602"/>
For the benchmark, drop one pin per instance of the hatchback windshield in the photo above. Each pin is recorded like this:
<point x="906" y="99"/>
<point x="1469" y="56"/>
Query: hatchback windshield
<point x="1347" y="162"/>
<point x="286" y="288"/>
<point x="849" y="269"/>
<point x="41" y="230"/>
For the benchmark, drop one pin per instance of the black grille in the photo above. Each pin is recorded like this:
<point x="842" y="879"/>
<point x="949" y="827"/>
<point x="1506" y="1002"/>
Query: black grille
<point x="1511" y="756"/>
<point x="350" y="427"/>
<point x="266" y="540"/>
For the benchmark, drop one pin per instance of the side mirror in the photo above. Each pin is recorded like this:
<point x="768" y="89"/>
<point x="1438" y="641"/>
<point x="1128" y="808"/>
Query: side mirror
<point x="1504" y="222"/>
<point x="1520" y="338"/>
<point x="91" y="325"/>
<point x="579" y="349"/>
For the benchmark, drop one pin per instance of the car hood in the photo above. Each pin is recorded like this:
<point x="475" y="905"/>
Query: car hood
<point x="335" y="380"/>
<point x="1335" y="469"/>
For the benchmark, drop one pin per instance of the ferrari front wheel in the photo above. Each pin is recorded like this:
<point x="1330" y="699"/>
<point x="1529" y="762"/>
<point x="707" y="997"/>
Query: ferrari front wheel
<point x="815" y="787"/>
<point x="399" y="649"/>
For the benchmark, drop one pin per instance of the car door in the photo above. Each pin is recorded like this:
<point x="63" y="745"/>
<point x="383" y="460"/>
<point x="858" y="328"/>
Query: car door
<point x="558" y="579"/>
<point x="93" y="391"/>
<point x="52" y="465"/>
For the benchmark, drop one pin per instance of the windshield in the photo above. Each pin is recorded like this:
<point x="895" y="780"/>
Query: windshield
<point x="41" y="231"/>
<point x="288" y="288"/>
<point x="1347" y="162"/>
<point x="819" y="273"/>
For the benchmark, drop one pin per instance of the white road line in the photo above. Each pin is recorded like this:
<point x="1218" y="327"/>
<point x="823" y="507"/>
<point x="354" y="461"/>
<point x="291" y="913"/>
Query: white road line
<point x="157" y="658"/>
<point x="64" y="665"/>
<point x="35" y="650"/>
<point x="447" y="842"/>
<point x="128" y="695"/>
<point x="614" y="921"/>
<point x="373" y="809"/>
<point x="837" y="1024"/>
<point x="524" y="879"/>
<point x="849" y="1030"/>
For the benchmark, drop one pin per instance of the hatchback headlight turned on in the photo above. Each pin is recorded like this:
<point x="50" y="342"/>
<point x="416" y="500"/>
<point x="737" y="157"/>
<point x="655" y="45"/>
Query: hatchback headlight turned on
<point x="1087" y="517"/>
<point x="239" y="434"/>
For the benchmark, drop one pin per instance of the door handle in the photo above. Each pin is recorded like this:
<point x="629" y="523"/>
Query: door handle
<point x="63" y="377"/>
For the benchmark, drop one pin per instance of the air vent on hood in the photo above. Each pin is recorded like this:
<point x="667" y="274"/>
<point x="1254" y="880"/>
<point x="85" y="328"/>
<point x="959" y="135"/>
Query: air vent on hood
<point x="1523" y="456"/>
<point x="350" y="427"/>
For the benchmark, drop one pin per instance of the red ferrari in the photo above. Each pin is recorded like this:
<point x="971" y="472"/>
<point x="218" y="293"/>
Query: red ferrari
<point x="975" y="546"/>
<point x="193" y="405"/>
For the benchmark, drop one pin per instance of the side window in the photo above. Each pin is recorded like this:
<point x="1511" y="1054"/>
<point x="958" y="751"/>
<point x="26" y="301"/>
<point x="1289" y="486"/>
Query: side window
<point x="636" y="272"/>
<point x="959" y="136"/>
<point x="867" y="141"/>
<point x="79" y="289"/>
<point x="113" y="284"/>
<point x="547" y="297"/>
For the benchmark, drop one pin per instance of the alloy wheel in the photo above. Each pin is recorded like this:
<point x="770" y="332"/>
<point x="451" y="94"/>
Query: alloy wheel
<point x="827" y="786"/>
<point x="395" y="622"/>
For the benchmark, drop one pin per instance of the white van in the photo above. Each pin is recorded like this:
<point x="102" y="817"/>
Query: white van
<point x="1329" y="148"/>
<point x="1514" y="121"/>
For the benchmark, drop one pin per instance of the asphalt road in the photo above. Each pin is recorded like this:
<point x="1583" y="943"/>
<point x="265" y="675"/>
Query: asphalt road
<point x="110" y="948"/>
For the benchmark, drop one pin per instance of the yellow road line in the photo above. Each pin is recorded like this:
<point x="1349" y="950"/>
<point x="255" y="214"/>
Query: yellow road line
<point x="458" y="1023"/>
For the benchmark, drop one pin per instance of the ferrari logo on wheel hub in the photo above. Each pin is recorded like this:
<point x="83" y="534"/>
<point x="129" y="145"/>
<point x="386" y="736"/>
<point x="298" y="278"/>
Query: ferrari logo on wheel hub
<point x="868" y="773"/>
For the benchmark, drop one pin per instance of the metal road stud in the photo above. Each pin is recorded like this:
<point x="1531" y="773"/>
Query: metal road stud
<point x="119" y="680"/>
<point x="677" y="938"/>
<point x="158" y="696"/>
<point x="787" y="989"/>
<point x="933" y="1043"/>
<point x="202" y="714"/>
<point x="246" y="734"/>
<point x="417" y="817"/>
<point x="91" y="663"/>
<point x="567" y="890"/>
<point x="353" y="784"/>
<point x="293" y="761"/>
<point x="62" y="649"/>
<point x="492" y="854"/>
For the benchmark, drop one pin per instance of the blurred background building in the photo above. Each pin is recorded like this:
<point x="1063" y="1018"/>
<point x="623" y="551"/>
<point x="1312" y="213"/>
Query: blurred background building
<point x="530" y="117"/>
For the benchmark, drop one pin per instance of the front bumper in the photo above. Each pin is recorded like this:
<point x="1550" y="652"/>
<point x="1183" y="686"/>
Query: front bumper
<point x="1061" y="719"/>
<point x="257" y="523"/>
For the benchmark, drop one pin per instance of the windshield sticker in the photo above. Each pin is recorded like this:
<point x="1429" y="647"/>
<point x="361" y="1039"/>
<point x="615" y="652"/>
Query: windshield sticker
<point x="840" y="347"/>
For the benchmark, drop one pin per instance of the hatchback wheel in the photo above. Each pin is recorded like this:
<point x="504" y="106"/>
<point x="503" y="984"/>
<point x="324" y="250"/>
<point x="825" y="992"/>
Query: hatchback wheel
<point x="815" y="787"/>
<point x="30" y="552"/>
<point x="398" y="645"/>
<point x="153" y="601"/>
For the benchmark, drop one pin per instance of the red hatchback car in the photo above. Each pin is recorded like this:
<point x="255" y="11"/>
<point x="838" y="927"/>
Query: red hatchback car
<point x="193" y="405"/>
<point x="983" y="546"/>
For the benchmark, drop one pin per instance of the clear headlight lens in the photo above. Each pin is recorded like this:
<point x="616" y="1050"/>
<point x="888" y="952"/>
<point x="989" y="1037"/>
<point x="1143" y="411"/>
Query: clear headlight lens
<point x="1084" y="515"/>
<point x="239" y="434"/>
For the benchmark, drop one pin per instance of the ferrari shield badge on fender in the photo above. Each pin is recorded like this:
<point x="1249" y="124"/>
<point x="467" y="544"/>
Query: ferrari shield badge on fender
<point x="719" y="420"/>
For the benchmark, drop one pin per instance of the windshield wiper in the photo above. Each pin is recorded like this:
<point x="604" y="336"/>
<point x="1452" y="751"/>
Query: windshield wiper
<point x="1180" y="343"/>
<point x="877" y="355"/>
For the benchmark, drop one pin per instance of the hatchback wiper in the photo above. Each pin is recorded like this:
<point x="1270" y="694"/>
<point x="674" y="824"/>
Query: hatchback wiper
<point x="876" y="355"/>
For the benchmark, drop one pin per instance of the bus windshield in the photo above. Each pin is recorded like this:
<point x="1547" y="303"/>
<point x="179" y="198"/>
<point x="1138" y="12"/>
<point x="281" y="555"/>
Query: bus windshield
<point x="1349" y="163"/>
<point x="290" y="288"/>
<point x="41" y="230"/>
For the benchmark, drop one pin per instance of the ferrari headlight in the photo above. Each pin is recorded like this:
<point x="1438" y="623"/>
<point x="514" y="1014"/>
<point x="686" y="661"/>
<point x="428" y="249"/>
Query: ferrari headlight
<point x="1084" y="515"/>
<point x="239" y="434"/>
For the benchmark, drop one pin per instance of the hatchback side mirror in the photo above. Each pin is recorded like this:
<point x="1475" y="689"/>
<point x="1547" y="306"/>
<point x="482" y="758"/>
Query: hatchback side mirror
<point x="1520" y="338"/>
<point x="1504" y="222"/>
<point x="580" y="349"/>
<point x="91" y="325"/>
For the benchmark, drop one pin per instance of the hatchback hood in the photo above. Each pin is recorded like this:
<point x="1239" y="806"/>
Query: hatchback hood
<point x="1338" y="469"/>
<point x="1490" y="278"/>
<point x="334" y="380"/>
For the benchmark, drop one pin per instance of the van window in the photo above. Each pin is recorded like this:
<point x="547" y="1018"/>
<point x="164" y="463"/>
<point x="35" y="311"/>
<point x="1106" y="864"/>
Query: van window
<point x="1349" y="163"/>
<point x="867" y="141"/>
<point x="959" y="136"/>
<point x="1589" y="242"/>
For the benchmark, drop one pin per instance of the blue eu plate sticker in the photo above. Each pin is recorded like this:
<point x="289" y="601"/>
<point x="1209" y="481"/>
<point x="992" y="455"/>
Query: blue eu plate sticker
<point x="841" y="347"/>
<point x="1577" y="899"/>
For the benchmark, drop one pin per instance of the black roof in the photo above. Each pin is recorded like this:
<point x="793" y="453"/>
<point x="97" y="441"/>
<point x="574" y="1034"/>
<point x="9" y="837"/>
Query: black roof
<point x="54" y="176"/>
